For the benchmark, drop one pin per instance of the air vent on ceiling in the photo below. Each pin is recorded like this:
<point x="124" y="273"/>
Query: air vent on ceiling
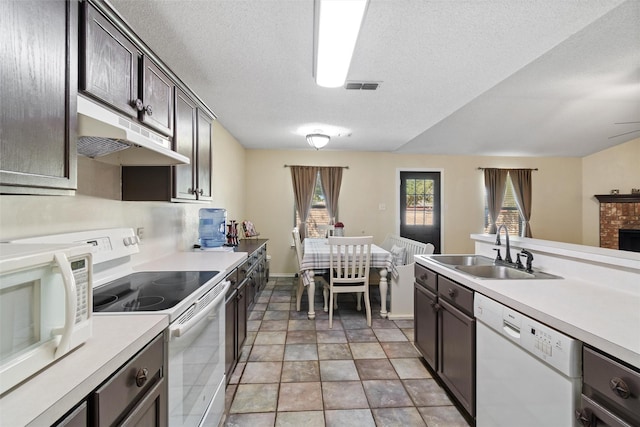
<point x="361" y="85"/>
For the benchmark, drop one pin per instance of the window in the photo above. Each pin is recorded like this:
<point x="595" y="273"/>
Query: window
<point x="318" y="214"/>
<point x="509" y="214"/>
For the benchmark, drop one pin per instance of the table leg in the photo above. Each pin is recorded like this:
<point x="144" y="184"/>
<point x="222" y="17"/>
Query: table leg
<point x="311" y="290"/>
<point x="384" y="286"/>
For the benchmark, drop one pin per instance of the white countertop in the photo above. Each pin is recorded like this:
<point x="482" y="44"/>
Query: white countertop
<point x="50" y="394"/>
<point x="597" y="314"/>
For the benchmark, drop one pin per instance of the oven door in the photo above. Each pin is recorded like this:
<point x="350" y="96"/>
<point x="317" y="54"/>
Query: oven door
<point x="196" y="358"/>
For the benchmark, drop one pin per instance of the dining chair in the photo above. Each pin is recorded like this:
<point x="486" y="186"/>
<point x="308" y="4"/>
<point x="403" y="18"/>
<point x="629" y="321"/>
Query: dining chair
<point x="317" y="274"/>
<point x="349" y="260"/>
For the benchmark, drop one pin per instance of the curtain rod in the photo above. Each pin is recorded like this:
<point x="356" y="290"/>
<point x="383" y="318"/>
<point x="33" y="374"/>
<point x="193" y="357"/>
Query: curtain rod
<point x="343" y="167"/>
<point x="533" y="169"/>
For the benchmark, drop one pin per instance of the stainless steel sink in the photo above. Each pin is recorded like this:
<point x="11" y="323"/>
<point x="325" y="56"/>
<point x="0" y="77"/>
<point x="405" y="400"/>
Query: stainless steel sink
<point x="462" y="259"/>
<point x="502" y="272"/>
<point x="483" y="267"/>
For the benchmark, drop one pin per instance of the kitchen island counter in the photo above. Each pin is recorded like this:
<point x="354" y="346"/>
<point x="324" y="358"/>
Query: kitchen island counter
<point x="594" y="302"/>
<point x="47" y="396"/>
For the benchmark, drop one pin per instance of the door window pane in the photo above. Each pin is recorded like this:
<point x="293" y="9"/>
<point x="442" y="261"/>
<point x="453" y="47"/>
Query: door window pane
<point x="419" y="202"/>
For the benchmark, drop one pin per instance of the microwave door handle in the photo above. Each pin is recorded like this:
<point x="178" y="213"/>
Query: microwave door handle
<point x="70" y="304"/>
<point x="180" y="330"/>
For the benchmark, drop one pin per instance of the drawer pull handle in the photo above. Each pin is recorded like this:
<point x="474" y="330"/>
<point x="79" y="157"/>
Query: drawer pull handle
<point x="452" y="293"/>
<point x="586" y="418"/>
<point x="436" y="306"/>
<point x="619" y="387"/>
<point x="141" y="376"/>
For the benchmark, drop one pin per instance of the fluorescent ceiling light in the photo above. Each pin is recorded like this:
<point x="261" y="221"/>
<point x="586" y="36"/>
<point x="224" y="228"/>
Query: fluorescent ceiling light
<point x="318" y="140"/>
<point x="338" y="24"/>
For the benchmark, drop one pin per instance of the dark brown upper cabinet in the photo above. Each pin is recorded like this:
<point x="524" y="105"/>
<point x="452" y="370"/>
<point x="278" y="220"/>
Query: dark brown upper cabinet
<point x="180" y="183"/>
<point x="203" y="166"/>
<point x="185" y="143"/>
<point x="38" y="89"/>
<point x="109" y="63"/>
<point x="115" y="71"/>
<point x="156" y="104"/>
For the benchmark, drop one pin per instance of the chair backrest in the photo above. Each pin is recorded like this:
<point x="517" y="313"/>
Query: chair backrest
<point x="298" y="244"/>
<point x="350" y="258"/>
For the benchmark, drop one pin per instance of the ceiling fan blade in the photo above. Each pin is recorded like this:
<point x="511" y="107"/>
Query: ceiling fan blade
<point x="626" y="133"/>
<point x="625" y="123"/>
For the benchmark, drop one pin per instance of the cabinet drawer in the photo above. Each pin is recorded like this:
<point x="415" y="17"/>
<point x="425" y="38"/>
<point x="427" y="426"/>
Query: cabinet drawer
<point x="458" y="295"/>
<point x="611" y="383"/>
<point x="598" y="415"/>
<point x="426" y="277"/>
<point x="121" y="393"/>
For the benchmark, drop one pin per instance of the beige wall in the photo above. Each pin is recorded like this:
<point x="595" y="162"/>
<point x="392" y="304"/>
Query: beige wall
<point x="167" y="226"/>
<point x="254" y="185"/>
<point x="617" y="167"/>
<point x="371" y="181"/>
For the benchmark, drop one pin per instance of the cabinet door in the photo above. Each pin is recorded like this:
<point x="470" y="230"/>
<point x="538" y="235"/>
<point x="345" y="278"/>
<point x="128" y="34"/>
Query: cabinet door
<point x="426" y="318"/>
<point x="157" y="98"/>
<point x="457" y="343"/>
<point x="38" y="88"/>
<point x="203" y="165"/>
<point x="241" y="327"/>
<point x="184" y="143"/>
<point x="230" y="334"/>
<point x="109" y="68"/>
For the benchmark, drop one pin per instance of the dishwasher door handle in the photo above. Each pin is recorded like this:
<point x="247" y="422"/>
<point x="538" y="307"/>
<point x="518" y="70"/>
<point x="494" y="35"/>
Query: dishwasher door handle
<point x="511" y="330"/>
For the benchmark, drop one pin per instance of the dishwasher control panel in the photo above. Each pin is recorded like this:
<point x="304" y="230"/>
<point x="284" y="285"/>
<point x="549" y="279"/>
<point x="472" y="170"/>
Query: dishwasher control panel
<point x="547" y="344"/>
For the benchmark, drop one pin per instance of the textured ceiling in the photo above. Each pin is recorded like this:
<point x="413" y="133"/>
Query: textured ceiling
<point x="530" y="78"/>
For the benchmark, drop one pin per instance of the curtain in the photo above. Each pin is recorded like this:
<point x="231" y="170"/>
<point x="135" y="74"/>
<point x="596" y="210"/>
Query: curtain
<point x="521" y="179"/>
<point x="331" y="179"/>
<point x="303" y="179"/>
<point x="495" y="183"/>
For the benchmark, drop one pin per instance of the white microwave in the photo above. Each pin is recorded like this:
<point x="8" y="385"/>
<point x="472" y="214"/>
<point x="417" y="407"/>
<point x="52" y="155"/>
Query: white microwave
<point x="45" y="306"/>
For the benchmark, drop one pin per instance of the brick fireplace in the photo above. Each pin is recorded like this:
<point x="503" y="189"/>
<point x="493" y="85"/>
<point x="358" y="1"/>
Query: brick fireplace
<point x="617" y="211"/>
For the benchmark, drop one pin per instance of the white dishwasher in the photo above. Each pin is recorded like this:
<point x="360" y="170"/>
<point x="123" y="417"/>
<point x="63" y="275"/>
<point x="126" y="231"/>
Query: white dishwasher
<point x="527" y="373"/>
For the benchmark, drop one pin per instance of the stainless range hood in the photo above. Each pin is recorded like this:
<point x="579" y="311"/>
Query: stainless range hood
<point x="110" y="138"/>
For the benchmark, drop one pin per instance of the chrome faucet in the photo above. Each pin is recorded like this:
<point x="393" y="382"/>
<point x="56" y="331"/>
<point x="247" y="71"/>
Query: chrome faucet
<point x="507" y="257"/>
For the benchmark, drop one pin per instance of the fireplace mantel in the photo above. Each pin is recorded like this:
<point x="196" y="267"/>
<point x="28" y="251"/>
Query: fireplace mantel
<point x="618" y="198"/>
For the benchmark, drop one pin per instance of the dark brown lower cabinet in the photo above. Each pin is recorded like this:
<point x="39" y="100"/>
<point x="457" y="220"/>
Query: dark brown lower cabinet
<point x="445" y="333"/>
<point x="137" y="393"/>
<point x="426" y="324"/>
<point x="457" y="335"/>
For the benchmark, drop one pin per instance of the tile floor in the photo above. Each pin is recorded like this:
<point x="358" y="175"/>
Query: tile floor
<point x="294" y="371"/>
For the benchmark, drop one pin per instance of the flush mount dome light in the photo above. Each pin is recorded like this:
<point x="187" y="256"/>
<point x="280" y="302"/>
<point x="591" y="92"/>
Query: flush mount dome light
<point x="318" y="140"/>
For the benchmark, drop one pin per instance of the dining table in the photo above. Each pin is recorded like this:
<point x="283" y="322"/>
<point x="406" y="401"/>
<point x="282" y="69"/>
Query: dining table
<point x="316" y="257"/>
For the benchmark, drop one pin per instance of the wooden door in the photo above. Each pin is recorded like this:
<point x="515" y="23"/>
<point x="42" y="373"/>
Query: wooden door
<point x="203" y="164"/>
<point x="109" y="67"/>
<point x="184" y="143"/>
<point x="38" y="88"/>
<point x="157" y="98"/>
<point x="420" y="207"/>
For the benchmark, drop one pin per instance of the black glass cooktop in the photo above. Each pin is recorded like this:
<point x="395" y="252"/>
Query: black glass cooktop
<point x="148" y="291"/>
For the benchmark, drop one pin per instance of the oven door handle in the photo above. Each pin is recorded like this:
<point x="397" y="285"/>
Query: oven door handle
<point x="179" y="330"/>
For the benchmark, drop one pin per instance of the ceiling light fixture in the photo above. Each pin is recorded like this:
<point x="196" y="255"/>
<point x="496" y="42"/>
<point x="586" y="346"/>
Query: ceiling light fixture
<point x="318" y="140"/>
<point x="337" y="26"/>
